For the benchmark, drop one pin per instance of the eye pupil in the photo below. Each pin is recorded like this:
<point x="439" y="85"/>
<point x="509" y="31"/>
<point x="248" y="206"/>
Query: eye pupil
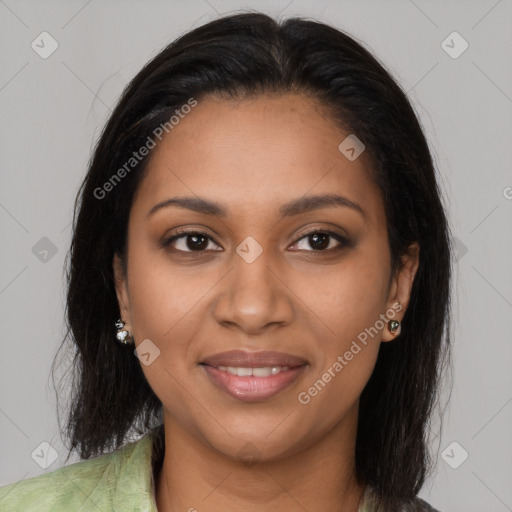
<point x="319" y="240"/>
<point x="197" y="246"/>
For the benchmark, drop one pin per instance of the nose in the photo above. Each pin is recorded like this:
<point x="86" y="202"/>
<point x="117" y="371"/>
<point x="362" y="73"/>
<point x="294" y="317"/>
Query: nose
<point x="254" y="297"/>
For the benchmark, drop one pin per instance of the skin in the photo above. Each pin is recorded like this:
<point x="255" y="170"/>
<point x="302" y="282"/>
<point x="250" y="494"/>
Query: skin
<point x="252" y="156"/>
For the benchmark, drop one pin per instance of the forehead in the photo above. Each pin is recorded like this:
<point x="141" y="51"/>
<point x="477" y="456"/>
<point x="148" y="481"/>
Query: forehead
<point x="252" y="152"/>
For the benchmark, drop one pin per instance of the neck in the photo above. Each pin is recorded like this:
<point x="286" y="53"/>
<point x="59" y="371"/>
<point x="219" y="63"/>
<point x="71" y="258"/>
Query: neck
<point x="196" y="477"/>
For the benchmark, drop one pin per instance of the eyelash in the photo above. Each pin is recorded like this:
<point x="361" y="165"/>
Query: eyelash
<point x="183" y="233"/>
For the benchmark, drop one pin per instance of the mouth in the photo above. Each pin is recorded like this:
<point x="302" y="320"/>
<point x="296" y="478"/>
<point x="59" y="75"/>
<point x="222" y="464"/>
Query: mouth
<point x="253" y="376"/>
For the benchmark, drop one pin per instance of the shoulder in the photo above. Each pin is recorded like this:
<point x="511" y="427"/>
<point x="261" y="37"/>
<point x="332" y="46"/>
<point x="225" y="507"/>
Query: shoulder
<point x="87" y="485"/>
<point x="69" y="485"/>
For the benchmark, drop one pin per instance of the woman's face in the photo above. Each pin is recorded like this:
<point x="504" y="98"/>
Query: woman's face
<point x="258" y="278"/>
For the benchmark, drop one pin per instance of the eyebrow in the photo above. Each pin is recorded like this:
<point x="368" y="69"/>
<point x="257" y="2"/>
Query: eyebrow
<point x="295" y="207"/>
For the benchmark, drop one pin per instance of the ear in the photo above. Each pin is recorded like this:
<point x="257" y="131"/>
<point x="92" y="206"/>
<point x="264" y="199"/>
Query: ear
<point x="401" y="286"/>
<point x="121" y="286"/>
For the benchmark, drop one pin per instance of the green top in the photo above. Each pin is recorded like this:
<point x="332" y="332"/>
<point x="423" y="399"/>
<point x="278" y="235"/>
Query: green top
<point x="118" y="481"/>
<point x="121" y="481"/>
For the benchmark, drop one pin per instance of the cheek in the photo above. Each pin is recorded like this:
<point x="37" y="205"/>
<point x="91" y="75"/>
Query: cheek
<point x="347" y="351"/>
<point x="166" y="304"/>
<point x="162" y="307"/>
<point x="160" y="294"/>
<point x="348" y="297"/>
<point x="348" y="334"/>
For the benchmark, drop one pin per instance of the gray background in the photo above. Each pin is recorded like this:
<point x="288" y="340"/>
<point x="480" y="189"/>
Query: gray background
<point x="52" y="111"/>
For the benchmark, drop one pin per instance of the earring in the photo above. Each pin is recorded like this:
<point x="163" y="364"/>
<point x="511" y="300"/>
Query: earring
<point x="394" y="326"/>
<point x="123" y="336"/>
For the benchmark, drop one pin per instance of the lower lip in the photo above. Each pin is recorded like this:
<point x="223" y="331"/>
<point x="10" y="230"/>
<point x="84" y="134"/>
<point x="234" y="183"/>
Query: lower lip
<point x="253" y="389"/>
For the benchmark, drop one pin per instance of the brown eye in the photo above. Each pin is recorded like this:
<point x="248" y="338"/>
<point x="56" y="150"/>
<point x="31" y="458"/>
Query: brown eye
<point x="189" y="241"/>
<point x="323" y="241"/>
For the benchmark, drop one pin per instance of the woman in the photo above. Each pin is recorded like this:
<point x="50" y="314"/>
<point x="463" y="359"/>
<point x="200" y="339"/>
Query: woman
<point x="258" y="283"/>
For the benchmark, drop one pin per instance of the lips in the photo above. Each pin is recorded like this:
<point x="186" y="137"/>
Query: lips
<point x="242" y="358"/>
<point x="253" y="376"/>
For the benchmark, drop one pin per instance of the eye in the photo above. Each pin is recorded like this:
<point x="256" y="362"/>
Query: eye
<point x="322" y="240"/>
<point x="189" y="241"/>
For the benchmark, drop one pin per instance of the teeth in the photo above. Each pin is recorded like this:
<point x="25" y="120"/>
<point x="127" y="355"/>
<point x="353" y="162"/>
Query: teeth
<point x="266" y="371"/>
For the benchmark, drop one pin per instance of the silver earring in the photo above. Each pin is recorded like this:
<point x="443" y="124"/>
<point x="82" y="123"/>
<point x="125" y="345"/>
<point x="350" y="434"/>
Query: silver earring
<point x="394" y="326"/>
<point x="123" y="335"/>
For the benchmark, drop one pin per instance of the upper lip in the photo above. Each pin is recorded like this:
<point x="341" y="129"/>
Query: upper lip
<point x="244" y="359"/>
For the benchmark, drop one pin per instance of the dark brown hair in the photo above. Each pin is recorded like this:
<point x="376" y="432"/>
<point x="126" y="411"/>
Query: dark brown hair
<point x="238" y="56"/>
